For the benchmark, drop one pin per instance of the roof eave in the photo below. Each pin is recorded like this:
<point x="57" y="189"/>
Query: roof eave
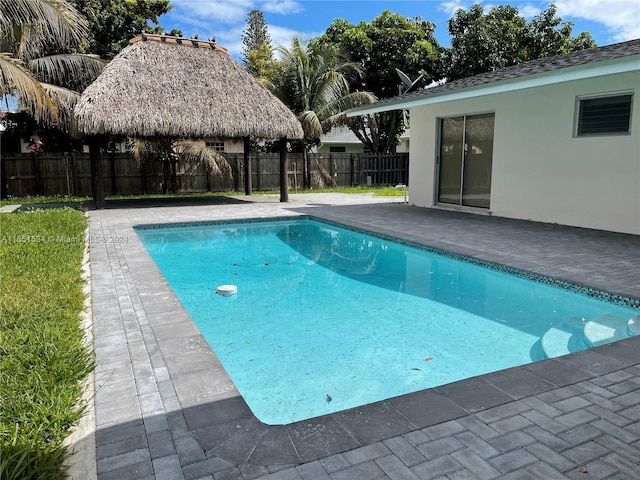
<point x="592" y="70"/>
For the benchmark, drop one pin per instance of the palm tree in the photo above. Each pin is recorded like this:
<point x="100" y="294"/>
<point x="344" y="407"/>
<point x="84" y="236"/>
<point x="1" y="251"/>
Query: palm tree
<point x="37" y="38"/>
<point x="170" y="150"/>
<point x="315" y="85"/>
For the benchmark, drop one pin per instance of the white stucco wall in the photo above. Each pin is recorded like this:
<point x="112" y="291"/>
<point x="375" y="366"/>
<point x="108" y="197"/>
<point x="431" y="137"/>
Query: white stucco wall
<point x="231" y="145"/>
<point x="540" y="170"/>
<point x="349" y="147"/>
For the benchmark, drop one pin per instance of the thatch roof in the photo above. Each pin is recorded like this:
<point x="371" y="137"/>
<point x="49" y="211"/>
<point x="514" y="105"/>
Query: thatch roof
<point x="165" y="86"/>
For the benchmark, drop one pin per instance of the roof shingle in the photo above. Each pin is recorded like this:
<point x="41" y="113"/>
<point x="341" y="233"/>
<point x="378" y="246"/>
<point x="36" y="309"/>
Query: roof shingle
<point x="532" y="67"/>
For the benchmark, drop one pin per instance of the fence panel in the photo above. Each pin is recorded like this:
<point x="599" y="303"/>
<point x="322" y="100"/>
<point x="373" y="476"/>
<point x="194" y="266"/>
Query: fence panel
<point x="19" y="176"/>
<point x="385" y="169"/>
<point x="70" y="173"/>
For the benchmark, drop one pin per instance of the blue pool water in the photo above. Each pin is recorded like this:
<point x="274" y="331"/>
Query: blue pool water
<point x="327" y="318"/>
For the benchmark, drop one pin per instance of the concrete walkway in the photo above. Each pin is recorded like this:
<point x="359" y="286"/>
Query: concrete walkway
<point x="165" y="408"/>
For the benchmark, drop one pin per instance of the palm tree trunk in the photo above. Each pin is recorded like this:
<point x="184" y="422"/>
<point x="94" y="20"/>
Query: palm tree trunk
<point x="306" y="174"/>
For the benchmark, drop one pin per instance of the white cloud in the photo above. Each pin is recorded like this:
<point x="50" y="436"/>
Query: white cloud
<point x="219" y="10"/>
<point x="621" y="17"/>
<point x="226" y="20"/>
<point x="451" y="6"/>
<point x="283" y="7"/>
<point x="529" y="11"/>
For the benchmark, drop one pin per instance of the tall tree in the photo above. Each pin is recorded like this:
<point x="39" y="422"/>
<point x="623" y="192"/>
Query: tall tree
<point x="315" y="85"/>
<point x="256" y="43"/>
<point x="389" y="42"/>
<point x="112" y="23"/>
<point x="37" y="63"/>
<point x="483" y="42"/>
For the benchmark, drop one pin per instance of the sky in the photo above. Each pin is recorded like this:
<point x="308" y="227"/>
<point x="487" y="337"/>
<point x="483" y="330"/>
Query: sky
<point x="608" y="21"/>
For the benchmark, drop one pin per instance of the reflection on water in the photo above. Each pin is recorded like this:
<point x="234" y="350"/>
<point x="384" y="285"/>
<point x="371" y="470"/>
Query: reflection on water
<point x="523" y="304"/>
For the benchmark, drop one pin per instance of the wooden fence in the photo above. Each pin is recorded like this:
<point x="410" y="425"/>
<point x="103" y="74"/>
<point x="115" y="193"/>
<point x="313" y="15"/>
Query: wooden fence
<point x="70" y="173"/>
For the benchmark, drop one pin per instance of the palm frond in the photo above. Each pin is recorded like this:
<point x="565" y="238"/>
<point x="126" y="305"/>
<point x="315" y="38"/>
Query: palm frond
<point x="193" y="152"/>
<point x="56" y="20"/>
<point x="32" y="95"/>
<point x="311" y="125"/>
<point x="345" y="102"/>
<point x="65" y="101"/>
<point x="148" y="149"/>
<point x="75" y="71"/>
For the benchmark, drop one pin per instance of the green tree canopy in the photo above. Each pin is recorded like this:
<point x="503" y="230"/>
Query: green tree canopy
<point x="256" y="44"/>
<point x="261" y="64"/>
<point x="389" y="42"/>
<point x="483" y="42"/>
<point x="112" y="23"/>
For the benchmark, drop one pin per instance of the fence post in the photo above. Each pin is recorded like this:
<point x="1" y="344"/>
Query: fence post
<point x="4" y="182"/>
<point x="352" y="170"/>
<point x="72" y="172"/>
<point x="143" y="177"/>
<point x="237" y="177"/>
<point x="258" y="182"/>
<point x="36" y="173"/>
<point x="247" y="166"/>
<point x="112" y="166"/>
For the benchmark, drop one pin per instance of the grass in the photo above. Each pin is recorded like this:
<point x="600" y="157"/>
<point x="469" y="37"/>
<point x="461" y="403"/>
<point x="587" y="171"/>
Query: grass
<point x="35" y="200"/>
<point x="42" y="355"/>
<point x="41" y="199"/>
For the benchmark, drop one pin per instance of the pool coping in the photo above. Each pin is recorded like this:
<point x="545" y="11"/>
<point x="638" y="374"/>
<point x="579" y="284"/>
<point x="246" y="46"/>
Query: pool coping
<point x="192" y="402"/>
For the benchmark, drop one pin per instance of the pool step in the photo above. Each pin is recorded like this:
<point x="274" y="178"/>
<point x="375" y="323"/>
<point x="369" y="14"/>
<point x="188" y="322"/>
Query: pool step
<point x="563" y="338"/>
<point x="607" y="329"/>
<point x="576" y="334"/>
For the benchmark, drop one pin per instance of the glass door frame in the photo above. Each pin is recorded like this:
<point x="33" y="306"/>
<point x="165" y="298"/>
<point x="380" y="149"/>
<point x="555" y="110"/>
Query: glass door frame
<point x="463" y="160"/>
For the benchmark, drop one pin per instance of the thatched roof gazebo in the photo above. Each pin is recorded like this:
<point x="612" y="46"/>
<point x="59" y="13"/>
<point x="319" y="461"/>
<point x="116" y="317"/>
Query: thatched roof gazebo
<point x="161" y="86"/>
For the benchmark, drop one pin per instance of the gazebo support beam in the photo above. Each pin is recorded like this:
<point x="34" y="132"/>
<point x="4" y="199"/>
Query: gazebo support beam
<point x="284" y="181"/>
<point x="97" y="178"/>
<point x="247" y="166"/>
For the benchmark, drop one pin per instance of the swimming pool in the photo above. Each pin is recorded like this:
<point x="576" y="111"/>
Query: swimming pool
<point x="327" y="318"/>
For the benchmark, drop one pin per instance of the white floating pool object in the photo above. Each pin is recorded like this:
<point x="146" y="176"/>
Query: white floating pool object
<point x="227" y="290"/>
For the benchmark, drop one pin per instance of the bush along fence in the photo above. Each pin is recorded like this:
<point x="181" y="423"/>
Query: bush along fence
<point x="70" y="173"/>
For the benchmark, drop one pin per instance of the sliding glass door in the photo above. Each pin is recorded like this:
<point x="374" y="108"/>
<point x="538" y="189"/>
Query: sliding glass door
<point x="466" y="152"/>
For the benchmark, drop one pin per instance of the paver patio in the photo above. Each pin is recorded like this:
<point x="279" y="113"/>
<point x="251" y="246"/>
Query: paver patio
<point x="165" y="408"/>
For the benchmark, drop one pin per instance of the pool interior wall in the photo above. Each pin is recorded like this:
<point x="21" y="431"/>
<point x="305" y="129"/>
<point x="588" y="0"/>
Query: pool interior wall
<point x="289" y="342"/>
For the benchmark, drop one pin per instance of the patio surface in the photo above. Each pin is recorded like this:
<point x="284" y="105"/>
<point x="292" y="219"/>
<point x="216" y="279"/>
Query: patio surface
<point x="165" y="408"/>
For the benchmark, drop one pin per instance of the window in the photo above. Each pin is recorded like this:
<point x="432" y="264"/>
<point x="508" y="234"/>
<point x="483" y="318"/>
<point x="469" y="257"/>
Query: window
<point x="217" y="146"/>
<point x="337" y="149"/>
<point x="604" y="115"/>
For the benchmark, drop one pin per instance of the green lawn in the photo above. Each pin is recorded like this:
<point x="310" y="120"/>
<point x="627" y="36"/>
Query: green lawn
<point x="42" y="357"/>
<point x="377" y="191"/>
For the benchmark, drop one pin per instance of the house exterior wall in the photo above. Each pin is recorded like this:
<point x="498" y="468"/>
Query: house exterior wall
<point x="403" y="146"/>
<point x="541" y="171"/>
<point x="231" y="145"/>
<point x="349" y="147"/>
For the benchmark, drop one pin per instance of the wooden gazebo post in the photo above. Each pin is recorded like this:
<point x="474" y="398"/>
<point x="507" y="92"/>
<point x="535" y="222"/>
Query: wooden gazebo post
<point x="247" y="166"/>
<point x="284" y="181"/>
<point x="97" y="178"/>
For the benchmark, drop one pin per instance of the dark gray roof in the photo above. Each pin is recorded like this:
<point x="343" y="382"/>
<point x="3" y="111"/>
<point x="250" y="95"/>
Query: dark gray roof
<point x="533" y="67"/>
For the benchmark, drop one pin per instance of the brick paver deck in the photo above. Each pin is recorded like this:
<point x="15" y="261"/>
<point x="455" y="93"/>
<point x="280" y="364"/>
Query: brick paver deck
<point x="165" y="408"/>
